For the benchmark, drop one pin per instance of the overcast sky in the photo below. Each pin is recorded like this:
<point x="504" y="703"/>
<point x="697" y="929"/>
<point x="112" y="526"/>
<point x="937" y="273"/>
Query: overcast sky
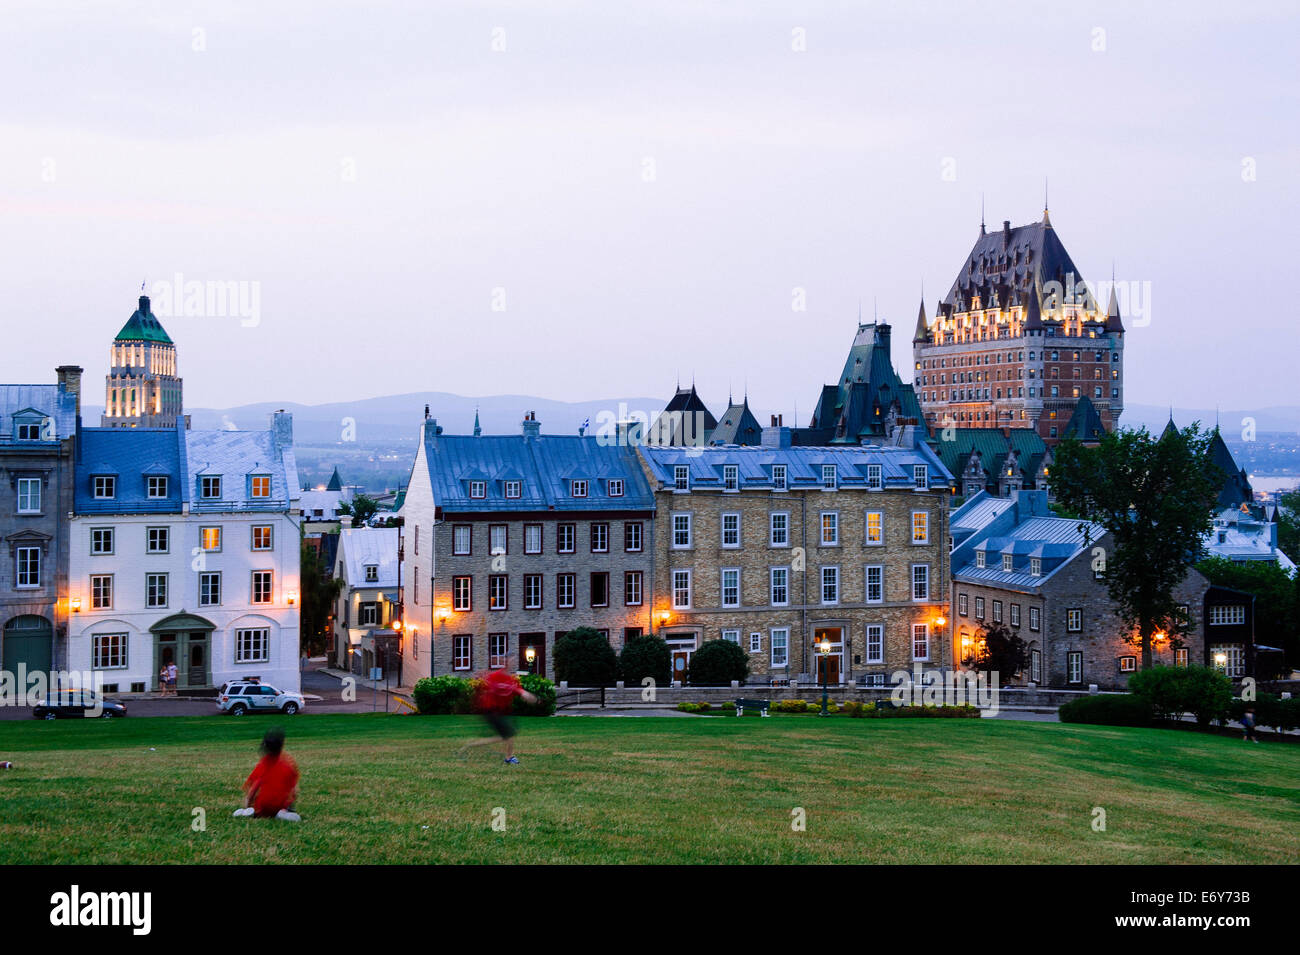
<point x="586" y="200"/>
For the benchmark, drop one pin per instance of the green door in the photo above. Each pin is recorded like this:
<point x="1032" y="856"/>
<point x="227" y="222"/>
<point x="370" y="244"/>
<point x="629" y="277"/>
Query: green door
<point x="29" y="641"/>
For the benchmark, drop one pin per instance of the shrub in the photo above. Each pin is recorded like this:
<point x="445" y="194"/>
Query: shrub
<point x="791" y="706"/>
<point x="1109" y="710"/>
<point x="1173" y="691"/>
<point x="442" y="694"/>
<point x="686" y="707"/>
<point x="1270" y="710"/>
<point x="853" y="708"/>
<point x="541" y="688"/>
<point x="728" y="705"/>
<point x="717" y="663"/>
<point x="584" y="658"/>
<point x="646" y="656"/>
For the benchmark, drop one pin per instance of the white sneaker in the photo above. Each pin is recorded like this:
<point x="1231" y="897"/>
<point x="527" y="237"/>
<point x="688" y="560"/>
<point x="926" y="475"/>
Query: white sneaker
<point x="248" y="811"/>
<point x="288" y="816"/>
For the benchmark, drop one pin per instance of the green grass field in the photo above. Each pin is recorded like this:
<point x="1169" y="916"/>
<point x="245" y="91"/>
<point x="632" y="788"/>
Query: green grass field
<point x="388" y="789"/>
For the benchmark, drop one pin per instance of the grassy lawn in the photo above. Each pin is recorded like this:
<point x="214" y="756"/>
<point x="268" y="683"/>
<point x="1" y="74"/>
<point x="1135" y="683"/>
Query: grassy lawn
<point x="651" y="790"/>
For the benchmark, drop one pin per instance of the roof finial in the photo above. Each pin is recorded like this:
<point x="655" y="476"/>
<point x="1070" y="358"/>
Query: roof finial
<point x="981" y="213"/>
<point x="874" y="318"/>
<point x="1047" y="219"/>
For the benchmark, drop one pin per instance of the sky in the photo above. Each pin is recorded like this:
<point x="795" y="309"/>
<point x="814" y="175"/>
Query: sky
<point x="590" y="200"/>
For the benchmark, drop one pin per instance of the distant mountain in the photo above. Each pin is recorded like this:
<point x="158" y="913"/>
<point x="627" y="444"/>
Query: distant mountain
<point x="1155" y="417"/>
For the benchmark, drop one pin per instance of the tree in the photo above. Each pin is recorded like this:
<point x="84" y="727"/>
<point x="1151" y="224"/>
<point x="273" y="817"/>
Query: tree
<point x="319" y="592"/>
<point x="717" y="663"/>
<point x="1156" y="497"/>
<point x="646" y="656"/>
<point x="1001" y="651"/>
<point x="361" y="508"/>
<point x="1288" y="524"/>
<point x="1277" y="599"/>
<point x="584" y="658"/>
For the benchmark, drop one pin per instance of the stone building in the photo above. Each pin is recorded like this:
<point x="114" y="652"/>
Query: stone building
<point x="779" y="548"/>
<point x="369" y="598"/>
<point x="143" y="388"/>
<point x="512" y="541"/>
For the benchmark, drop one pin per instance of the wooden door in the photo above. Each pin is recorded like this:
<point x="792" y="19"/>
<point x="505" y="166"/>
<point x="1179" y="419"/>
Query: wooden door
<point x="681" y="659"/>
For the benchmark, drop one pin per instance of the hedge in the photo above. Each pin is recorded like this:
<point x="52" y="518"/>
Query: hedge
<point x="441" y="695"/>
<point x="1109" y="710"/>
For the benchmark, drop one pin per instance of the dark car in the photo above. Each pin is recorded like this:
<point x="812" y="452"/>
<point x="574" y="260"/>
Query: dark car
<point x="77" y="703"/>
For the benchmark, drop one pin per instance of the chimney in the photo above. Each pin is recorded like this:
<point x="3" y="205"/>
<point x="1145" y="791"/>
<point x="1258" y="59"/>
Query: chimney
<point x="776" y="436"/>
<point x="429" y="430"/>
<point x="777" y="420"/>
<point x="281" y="427"/>
<point x="345" y="521"/>
<point x="70" y="381"/>
<point x="1006" y="227"/>
<point x="144" y="305"/>
<point x="531" y="426"/>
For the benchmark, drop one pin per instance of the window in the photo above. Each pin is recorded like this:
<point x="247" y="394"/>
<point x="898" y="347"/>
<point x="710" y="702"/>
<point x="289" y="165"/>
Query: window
<point x="462" y="652"/>
<point x="369" y="616"/>
<point x="780" y="643"/>
<point x="600" y="589"/>
<point x="681" y="589"/>
<point x="731" y="587"/>
<point x="755" y="642"/>
<point x="262" y="580"/>
<point x="921" y="476"/>
<point x="532" y="591"/>
<point x="579" y="488"/>
<point x="210" y="487"/>
<point x="261" y="486"/>
<point x="830" y="585"/>
<point x="963" y="604"/>
<point x="498" y="592"/>
<point x="730" y="477"/>
<point x="1074" y="667"/>
<point x="875" y="586"/>
<point x="1015" y="615"/>
<point x="780" y="580"/>
<point x="566" y="538"/>
<point x="1074" y="620"/>
<point x="105" y="487"/>
<point x="101" y="540"/>
<point x="979" y="608"/>
<point x="615" y="487"/>
<point x="600" y="538"/>
<point x="1035" y="618"/>
<point x="997" y="611"/>
<point x="1225" y="615"/>
<point x="829" y="481"/>
<point x="1036" y="566"/>
<point x="108" y="651"/>
<point x="731" y="636"/>
<point x="981" y="559"/>
<point x="875" y="480"/>
<point x="372" y="573"/>
<point x="514" y="489"/>
<point x="253" y="646"/>
<point x="1128" y="664"/>
<point x="478" y="489"/>
<point x="27" y="562"/>
<point x="632" y="535"/>
<point x="731" y="530"/>
<point x="497" y="650"/>
<point x="920" y="527"/>
<point x="532" y="538"/>
<point x="1035" y="666"/>
<point x="681" y="477"/>
<point x="101" y="592"/>
<point x="830" y="528"/>
<point x="875" y="643"/>
<point x="158" y="540"/>
<point x="920" y="581"/>
<point x="209" y="590"/>
<point x="461" y="534"/>
<point x="155" y="590"/>
<point x="875" y="528"/>
<point x="462" y="594"/>
<point x="778" y="477"/>
<point x="1180" y="657"/>
<point x="29" y="431"/>
<point x="779" y="523"/>
<point x="565" y="591"/>
<point x="920" y="641"/>
<point x="633" y="588"/>
<point x="1229" y="659"/>
<point x="29" y="495"/>
<point x="497" y="539"/>
<point x="681" y="531"/>
<point x="264" y="537"/>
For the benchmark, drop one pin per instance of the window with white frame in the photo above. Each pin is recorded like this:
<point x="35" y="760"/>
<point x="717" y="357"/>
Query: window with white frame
<point x="731" y="636"/>
<point x="681" y="477"/>
<point x="731" y="530"/>
<point x="1180" y="657"/>
<point x="920" y="641"/>
<point x="461" y="535"/>
<point x="566" y="538"/>
<point x="920" y="527"/>
<point x="981" y="559"/>
<point x="1229" y="659"/>
<point x="158" y="540"/>
<point x="829" y="479"/>
<point x="1035" y="618"/>
<point x="615" y="487"/>
<point x="830" y="528"/>
<point x="997" y="611"/>
<point x="681" y="531"/>
<point x="253" y="645"/>
<point x="1074" y="620"/>
<point x="498" y="592"/>
<point x="875" y="643"/>
<point x="1015" y="615"/>
<point x="830" y="585"/>
<point x="104" y="487"/>
<point x="875" y="584"/>
<point x="1226" y="615"/>
<point x="979" y="608"/>
<point x="1036" y="566"/>
<point x="778" y="477"/>
<point x="579" y="488"/>
<point x="101" y="592"/>
<point x="731" y="587"/>
<point x="599" y="537"/>
<point x="730" y="477"/>
<point x="210" y="538"/>
<point x="210" y="589"/>
<point x="780" y="579"/>
<point x="478" y="489"/>
<point x="497" y="643"/>
<point x="755" y="642"/>
<point x="920" y="581"/>
<point x="513" y="489"/>
<point x="875" y="528"/>
<point x="1036" y="666"/>
<point x="779" y="522"/>
<point x="262" y="586"/>
<point x="1074" y="667"/>
<point x="633" y="588"/>
<point x="29" y="495"/>
<point x="109" y="651"/>
<point x="875" y="479"/>
<point x="369" y="616"/>
<point x="260" y="486"/>
<point x="497" y="543"/>
<point x="462" y="652"/>
<point x="632" y="536"/>
<point x="155" y="590"/>
<point x="210" y="487"/>
<point x="963" y="604"/>
<point x="566" y="591"/>
<point x="1128" y="664"/>
<point x="27" y="567"/>
<point x="681" y="589"/>
<point x="532" y="538"/>
<point x="921" y="476"/>
<point x="1007" y="563"/>
<point x="780" y="643"/>
<point x="532" y="591"/>
<point x="264" y="537"/>
<point x="101" y="540"/>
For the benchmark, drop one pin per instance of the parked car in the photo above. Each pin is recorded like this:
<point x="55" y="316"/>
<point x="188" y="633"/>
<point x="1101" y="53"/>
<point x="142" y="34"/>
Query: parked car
<point x="77" y="703"/>
<point x="246" y="696"/>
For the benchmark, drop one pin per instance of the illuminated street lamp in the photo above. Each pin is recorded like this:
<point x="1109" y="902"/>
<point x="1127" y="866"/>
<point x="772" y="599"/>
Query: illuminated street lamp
<point x="530" y="654"/>
<point x="825" y="648"/>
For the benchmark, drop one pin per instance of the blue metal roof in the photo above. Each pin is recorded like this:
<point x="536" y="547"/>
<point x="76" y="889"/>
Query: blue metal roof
<point x="236" y="456"/>
<point x="131" y="455"/>
<point x="48" y="401"/>
<point x="803" y="465"/>
<point x="545" y="467"/>
<point x="1023" y="531"/>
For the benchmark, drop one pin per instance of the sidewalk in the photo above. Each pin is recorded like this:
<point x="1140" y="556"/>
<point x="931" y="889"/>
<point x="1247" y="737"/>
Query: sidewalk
<point x="380" y="685"/>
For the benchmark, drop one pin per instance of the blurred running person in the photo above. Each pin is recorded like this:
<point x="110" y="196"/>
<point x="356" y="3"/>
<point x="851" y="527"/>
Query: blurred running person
<point x="272" y="787"/>
<point x="495" y="700"/>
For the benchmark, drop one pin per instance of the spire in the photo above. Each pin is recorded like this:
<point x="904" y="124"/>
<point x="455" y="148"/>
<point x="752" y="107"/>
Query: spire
<point x="922" y="326"/>
<point x="1113" y="323"/>
<point x="981" y="213"/>
<point x="1047" y="219"/>
<point x="477" y="430"/>
<point x="335" y="482"/>
<point x="1034" y="309"/>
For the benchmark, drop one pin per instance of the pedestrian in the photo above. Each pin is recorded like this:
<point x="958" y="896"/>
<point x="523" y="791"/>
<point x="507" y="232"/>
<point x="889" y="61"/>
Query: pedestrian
<point x="271" y="789"/>
<point x="495" y="698"/>
<point x="1248" y="725"/>
<point x="171" y="678"/>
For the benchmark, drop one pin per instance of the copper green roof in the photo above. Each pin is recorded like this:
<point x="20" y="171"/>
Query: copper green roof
<point x="142" y="326"/>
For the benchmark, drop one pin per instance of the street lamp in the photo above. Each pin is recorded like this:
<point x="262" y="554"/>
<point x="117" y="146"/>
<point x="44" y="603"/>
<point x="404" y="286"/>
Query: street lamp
<point x="825" y="648"/>
<point x="530" y="654"/>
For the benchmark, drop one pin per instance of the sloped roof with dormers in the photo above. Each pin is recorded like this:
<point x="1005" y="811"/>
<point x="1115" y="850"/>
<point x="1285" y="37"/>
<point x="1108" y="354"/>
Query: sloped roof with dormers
<point x="1009" y="264"/>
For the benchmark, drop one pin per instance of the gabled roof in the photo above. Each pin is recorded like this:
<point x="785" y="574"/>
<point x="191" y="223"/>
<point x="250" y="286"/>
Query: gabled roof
<point x="684" y="420"/>
<point x="803" y="465"/>
<point x="362" y="546"/>
<point x="993" y="447"/>
<point x="1012" y="264"/>
<point x="336" y="482"/>
<point x="133" y="455"/>
<point x="50" y="401"/>
<point x="235" y="455"/>
<point x="1026" y="530"/>
<point x="856" y="406"/>
<point x="143" y="326"/>
<point x="738" y="426"/>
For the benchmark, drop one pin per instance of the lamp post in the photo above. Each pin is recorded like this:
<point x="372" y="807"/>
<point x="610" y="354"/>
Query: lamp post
<point x="530" y="654"/>
<point x="825" y="648"/>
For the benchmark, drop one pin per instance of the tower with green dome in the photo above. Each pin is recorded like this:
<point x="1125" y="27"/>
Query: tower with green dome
<point x="142" y="389"/>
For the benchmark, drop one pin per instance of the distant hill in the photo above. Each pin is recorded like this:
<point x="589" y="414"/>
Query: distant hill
<point x="1155" y="417"/>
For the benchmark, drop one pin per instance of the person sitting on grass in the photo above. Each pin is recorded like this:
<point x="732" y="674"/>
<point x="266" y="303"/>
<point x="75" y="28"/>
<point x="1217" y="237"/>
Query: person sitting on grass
<point x="272" y="787"/>
<point x="495" y="699"/>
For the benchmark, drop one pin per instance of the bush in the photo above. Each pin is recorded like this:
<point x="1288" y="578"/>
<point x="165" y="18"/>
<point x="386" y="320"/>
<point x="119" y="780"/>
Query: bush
<point x="442" y="694"/>
<point x="541" y="688"/>
<point x="1109" y="710"/>
<point x="854" y="709"/>
<point x="1173" y="691"/>
<point x="584" y="658"/>
<point x="700" y="707"/>
<point x="643" y="657"/>
<point x="717" y="663"/>
<point x="791" y="706"/>
<point x="728" y="705"/>
<point x="1270" y="710"/>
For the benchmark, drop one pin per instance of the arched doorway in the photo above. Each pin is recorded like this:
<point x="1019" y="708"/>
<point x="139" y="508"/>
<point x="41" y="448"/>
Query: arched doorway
<point x="186" y="640"/>
<point x="29" y="642"/>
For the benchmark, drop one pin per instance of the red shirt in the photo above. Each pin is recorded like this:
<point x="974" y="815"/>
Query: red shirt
<point x="272" y="783"/>
<point x="499" y="691"/>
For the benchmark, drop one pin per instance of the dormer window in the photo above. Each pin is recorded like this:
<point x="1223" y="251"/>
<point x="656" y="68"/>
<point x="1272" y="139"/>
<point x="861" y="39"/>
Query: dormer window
<point x="372" y="573"/>
<point x="875" y="478"/>
<point x="579" y="488"/>
<point x="615" y="487"/>
<point x="260" y="486"/>
<point x="730" y="477"/>
<point x="778" y="477"/>
<point x="514" y="489"/>
<point x="1007" y="562"/>
<point x="105" y="487"/>
<point x="156" y="486"/>
<point x="478" y="489"/>
<point x="28" y="430"/>
<point x="921" y="476"/>
<point x="681" y="477"/>
<point x="1036" y="566"/>
<point x="980" y="559"/>
<point x="210" y="488"/>
<point x="829" y="479"/>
